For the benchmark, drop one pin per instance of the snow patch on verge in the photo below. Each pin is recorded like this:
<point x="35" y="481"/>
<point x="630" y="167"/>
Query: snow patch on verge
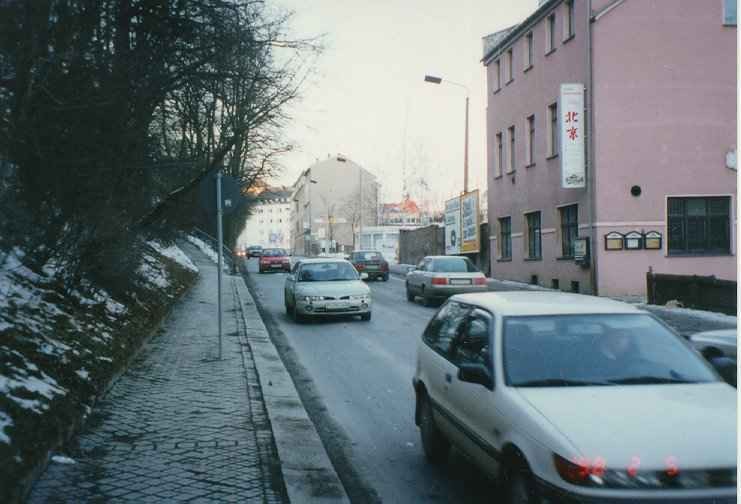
<point x="206" y="249"/>
<point x="61" y="459"/>
<point x="153" y="272"/>
<point x="174" y="253"/>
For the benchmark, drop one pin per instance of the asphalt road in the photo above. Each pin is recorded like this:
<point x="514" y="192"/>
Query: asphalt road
<point x="355" y="379"/>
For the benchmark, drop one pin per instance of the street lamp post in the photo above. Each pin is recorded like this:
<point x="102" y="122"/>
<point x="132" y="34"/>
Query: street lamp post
<point x="438" y="80"/>
<point x="308" y="197"/>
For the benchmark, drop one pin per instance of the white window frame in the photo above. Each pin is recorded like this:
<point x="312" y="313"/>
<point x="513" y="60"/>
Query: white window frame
<point x="498" y="71"/>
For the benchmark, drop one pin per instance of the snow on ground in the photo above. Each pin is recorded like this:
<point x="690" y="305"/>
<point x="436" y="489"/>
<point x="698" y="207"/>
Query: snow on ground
<point x="206" y="249"/>
<point x="174" y="253"/>
<point x="153" y="272"/>
<point x="39" y="384"/>
<point x="5" y="421"/>
<point x="61" y="459"/>
<point x="82" y="373"/>
<point x="701" y="314"/>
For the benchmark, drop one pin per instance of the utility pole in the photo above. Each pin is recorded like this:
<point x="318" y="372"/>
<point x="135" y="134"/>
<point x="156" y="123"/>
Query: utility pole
<point x="360" y="227"/>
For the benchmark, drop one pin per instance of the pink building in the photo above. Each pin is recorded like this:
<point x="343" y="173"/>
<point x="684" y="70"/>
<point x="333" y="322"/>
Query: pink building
<point x="659" y="157"/>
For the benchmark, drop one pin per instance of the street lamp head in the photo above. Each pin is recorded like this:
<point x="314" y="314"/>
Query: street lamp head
<point x="433" y="79"/>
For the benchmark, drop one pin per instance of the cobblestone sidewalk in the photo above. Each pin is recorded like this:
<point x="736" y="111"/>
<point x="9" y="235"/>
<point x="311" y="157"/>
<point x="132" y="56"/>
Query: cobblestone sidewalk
<point x="179" y="425"/>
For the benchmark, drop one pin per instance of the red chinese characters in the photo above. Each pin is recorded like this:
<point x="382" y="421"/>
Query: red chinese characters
<point x="571" y="118"/>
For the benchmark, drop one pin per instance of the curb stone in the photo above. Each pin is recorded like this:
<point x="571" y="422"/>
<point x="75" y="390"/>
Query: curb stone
<point x="308" y="473"/>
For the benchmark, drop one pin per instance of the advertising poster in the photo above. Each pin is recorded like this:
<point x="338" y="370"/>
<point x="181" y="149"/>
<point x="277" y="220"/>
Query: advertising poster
<point x="453" y="226"/>
<point x="470" y="240"/>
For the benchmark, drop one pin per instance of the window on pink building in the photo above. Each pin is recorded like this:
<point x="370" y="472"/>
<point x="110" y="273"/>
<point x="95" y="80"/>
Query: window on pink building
<point x="550" y="33"/>
<point x="568" y="21"/>
<point x="531" y="140"/>
<point x="500" y="156"/>
<point x="698" y="226"/>
<point x="528" y="50"/>
<point x="553" y="129"/>
<point x="510" y="73"/>
<point x="511" y="148"/>
<point x="498" y="71"/>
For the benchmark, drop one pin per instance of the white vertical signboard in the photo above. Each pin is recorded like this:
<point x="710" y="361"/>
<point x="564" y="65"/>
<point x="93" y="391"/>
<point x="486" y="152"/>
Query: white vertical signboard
<point x="453" y="226"/>
<point x="572" y="136"/>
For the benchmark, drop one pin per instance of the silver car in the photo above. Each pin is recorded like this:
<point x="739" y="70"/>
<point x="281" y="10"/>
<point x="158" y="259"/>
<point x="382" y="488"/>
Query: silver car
<point x="439" y="277"/>
<point x="326" y="287"/>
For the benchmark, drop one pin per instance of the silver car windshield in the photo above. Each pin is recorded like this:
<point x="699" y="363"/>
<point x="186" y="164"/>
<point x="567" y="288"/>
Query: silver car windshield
<point x="327" y="272"/>
<point x="573" y="350"/>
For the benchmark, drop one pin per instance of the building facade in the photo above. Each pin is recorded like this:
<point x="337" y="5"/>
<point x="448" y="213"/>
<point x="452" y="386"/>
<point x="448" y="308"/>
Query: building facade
<point x="269" y="224"/>
<point x="332" y="200"/>
<point x="405" y="212"/>
<point x="659" y="143"/>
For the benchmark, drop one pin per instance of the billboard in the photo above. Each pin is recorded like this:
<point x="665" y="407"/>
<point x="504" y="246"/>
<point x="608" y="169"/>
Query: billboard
<point x="462" y="232"/>
<point x="572" y="136"/>
<point x="470" y="239"/>
<point x="453" y="226"/>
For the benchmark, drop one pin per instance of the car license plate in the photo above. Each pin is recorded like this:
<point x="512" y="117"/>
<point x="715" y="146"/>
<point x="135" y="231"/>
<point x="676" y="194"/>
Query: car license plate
<point x="276" y="265"/>
<point x="371" y="267"/>
<point x="337" y="306"/>
<point x="460" y="281"/>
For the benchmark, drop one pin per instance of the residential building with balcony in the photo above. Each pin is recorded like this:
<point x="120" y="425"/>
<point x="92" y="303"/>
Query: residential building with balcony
<point x="659" y="143"/>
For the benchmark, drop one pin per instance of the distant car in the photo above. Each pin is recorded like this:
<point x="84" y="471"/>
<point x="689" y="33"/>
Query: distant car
<point x="274" y="259"/>
<point x="719" y="348"/>
<point x="326" y="287"/>
<point x="372" y="263"/>
<point x="254" y="251"/>
<point x="439" y="277"/>
<point x="572" y="398"/>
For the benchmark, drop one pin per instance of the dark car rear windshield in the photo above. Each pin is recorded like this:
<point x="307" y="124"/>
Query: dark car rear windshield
<point x="366" y="256"/>
<point x="453" y="265"/>
<point x="274" y="252"/>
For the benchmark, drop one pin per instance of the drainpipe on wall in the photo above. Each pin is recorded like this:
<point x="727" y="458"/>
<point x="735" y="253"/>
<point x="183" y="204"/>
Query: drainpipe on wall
<point x="590" y="155"/>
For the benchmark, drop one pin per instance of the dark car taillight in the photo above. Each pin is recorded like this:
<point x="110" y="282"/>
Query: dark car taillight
<point x="439" y="281"/>
<point x="479" y="281"/>
<point x="359" y="267"/>
<point x="384" y="266"/>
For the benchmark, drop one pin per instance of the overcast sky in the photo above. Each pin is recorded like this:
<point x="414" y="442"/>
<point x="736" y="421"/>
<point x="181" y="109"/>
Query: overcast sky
<point x="369" y="84"/>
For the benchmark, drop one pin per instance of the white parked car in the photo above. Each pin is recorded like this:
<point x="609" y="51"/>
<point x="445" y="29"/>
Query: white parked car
<point x="572" y="398"/>
<point x="326" y="287"/>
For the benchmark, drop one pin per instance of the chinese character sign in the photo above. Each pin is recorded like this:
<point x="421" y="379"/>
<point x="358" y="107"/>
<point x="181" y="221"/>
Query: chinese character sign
<point x="572" y="136"/>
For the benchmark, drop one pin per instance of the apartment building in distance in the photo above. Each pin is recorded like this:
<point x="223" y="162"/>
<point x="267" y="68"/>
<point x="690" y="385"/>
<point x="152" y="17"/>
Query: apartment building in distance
<point x="331" y="201"/>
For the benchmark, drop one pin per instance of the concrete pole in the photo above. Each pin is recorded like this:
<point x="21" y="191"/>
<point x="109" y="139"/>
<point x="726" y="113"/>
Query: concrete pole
<point x="219" y="216"/>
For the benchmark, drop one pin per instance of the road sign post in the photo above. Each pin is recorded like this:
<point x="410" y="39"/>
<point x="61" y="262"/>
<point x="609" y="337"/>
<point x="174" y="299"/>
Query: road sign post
<point x="220" y="230"/>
